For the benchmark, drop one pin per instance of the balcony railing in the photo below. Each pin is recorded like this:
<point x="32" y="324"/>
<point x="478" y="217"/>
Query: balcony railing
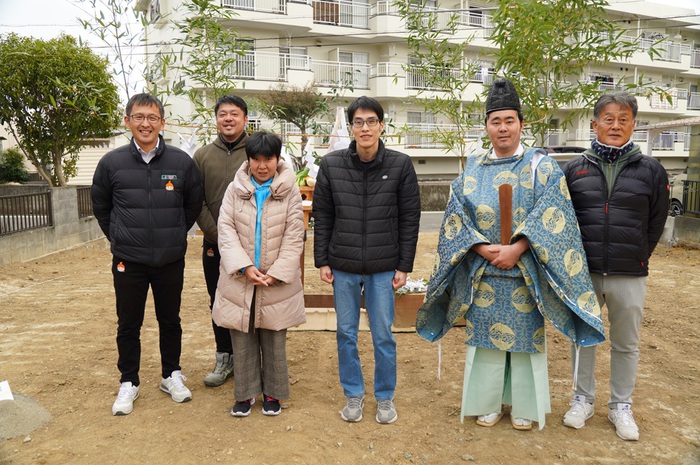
<point x="694" y="101"/>
<point x="267" y="66"/>
<point x="341" y="13"/>
<point x="425" y="78"/>
<point x="662" y="103"/>
<point x="695" y="58"/>
<point x="663" y="141"/>
<point x="339" y="74"/>
<point x="269" y="6"/>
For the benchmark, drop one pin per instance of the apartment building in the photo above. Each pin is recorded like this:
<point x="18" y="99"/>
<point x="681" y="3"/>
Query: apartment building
<point x="351" y="48"/>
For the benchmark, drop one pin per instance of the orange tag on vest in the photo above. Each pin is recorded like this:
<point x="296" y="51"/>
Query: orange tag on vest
<point x="210" y="252"/>
<point x="120" y="267"/>
<point x="169" y="186"/>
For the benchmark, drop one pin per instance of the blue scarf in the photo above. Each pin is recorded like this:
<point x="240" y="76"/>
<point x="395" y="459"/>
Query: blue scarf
<point x="609" y="153"/>
<point x="262" y="192"/>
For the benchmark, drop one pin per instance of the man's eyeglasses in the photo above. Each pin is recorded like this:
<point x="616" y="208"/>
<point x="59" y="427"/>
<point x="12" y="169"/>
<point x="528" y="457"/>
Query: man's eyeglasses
<point x="139" y="118"/>
<point x="371" y="122"/>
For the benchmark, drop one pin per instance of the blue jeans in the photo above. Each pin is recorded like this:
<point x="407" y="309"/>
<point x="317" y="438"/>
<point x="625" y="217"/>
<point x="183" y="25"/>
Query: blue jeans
<point x="379" y="301"/>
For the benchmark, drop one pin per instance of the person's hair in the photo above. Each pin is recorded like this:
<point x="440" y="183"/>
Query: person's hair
<point x="365" y="103"/>
<point x="622" y="98"/>
<point x="263" y="143"/>
<point x="144" y="100"/>
<point x="520" y="116"/>
<point x="232" y="100"/>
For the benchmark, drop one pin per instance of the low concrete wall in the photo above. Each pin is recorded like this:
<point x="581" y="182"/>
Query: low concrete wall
<point x="68" y="230"/>
<point x="686" y="231"/>
<point x="434" y="195"/>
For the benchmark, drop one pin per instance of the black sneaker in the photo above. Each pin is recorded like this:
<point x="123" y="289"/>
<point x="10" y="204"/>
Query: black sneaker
<point x="242" y="408"/>
<point x="271" y="406"/>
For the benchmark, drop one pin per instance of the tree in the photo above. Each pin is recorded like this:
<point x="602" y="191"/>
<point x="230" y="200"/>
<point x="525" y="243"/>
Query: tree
<point x="296" y="105"/>
<point x="12" y="166"/>
<point x="112" y="22"/>
<point x="439" y="70"/>
<point x="202" y="61"/>
<point x="56" y="95"/>
<point x="545" y="48"/>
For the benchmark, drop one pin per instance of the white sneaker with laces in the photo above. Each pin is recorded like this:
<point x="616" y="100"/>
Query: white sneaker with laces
<point x="174" y="386"/>
<point x="624" y="423"/>
<point x="124" y="404"/>
<point x="579" y="412"/>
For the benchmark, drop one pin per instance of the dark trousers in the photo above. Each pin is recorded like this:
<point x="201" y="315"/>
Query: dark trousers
<point x="210" y="264"/>
<point x="131" y="282"/>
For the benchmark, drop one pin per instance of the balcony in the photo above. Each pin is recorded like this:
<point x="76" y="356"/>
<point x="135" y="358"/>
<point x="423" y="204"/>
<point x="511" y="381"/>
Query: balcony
<point x="341" y="13"/>
<point x="695" y="58"/>
<point x="339" y="74"/>
<point x="267" y="66"/>
<point x="694" y="101"/>
<point x="266" y="6"/>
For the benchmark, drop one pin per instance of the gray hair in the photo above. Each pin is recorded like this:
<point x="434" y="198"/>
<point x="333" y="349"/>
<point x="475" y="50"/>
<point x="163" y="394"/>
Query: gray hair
<point x="624" y="99"/>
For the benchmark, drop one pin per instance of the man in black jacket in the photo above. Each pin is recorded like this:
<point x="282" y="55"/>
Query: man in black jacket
<point x="366" y="212"/>
<point x="146" y="195"/>
<point x="621" y="202"/>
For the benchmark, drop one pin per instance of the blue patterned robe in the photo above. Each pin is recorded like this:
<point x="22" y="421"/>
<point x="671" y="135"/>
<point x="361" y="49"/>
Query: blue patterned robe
<point x="503" y="309"/>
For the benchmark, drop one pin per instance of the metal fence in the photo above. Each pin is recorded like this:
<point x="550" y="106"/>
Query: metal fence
<point x="25" y="212"/>
<point x="691" y="197"/>
<point x="84" y="201"/>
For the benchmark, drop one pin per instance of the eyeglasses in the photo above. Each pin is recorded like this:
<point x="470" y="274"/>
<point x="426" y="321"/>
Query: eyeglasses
<point x="371" y="122"/>
<point x="139" y="118"/>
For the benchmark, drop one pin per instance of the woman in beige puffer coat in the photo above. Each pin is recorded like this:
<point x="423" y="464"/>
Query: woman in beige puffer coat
<point x="258" y="303"/>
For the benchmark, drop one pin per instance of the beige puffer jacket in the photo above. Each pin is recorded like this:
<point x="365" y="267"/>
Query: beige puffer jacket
<point x="277" y="307"/>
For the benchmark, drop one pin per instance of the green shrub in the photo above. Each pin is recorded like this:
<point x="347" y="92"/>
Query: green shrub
<point x="12" y="166"/>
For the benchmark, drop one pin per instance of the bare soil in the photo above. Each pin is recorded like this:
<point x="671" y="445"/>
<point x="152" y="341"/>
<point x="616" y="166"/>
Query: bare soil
<point x="57" y="347"/>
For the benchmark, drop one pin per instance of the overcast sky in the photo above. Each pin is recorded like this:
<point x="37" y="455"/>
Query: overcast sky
<point x="48" y="18"/>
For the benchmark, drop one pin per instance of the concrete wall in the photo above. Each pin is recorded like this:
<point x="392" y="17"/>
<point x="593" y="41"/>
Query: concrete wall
<point x="686" y="231"/>
<point x="68" y="231"/>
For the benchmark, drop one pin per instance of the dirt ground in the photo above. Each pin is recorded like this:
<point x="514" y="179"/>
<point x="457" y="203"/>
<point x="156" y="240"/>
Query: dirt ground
<point x="57" y="347"/>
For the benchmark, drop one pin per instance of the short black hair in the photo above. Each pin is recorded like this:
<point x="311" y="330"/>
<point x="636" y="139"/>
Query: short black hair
<point x="232" y="100"/>
<point x="144" y="100"/>
<point x="263" y="143"/>
<point x="365" y="103"/>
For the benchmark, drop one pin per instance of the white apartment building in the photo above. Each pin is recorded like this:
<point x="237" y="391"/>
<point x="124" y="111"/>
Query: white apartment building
<point x="351" y="48"/>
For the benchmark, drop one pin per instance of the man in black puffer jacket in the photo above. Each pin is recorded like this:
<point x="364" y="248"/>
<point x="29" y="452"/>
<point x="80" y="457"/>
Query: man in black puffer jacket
<point x="621" y="201"/>
<point x="146" y="196"/>
<point x="366" y="210"/>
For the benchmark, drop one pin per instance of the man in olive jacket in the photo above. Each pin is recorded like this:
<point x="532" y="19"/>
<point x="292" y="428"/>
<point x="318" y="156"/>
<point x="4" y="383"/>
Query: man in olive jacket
<point x="217" y="164"/>
<point x="366" y="212"/>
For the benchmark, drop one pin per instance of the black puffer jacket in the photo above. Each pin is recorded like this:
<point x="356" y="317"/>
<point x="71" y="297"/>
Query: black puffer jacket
<point x="620" y="232"/>
<point x="366" y="221"/>
<point x="146" y="209"/>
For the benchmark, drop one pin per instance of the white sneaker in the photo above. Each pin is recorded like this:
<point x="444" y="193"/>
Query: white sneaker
<point x="124" y="404"/>
<point x="579" y="412"/>
<point x="624" y="423"/>
<point x="174" y="386"/>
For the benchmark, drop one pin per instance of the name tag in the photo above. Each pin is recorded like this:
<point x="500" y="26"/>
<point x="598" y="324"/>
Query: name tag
<point x="168" y="177"/>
